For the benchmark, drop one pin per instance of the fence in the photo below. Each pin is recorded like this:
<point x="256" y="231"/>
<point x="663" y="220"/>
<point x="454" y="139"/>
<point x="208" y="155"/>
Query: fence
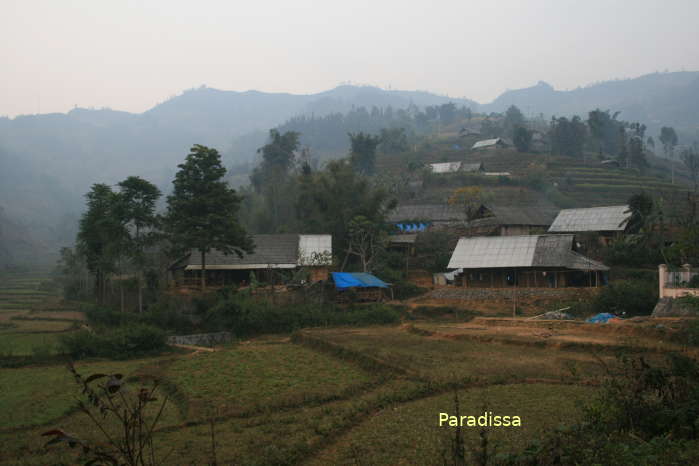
<point x="676" y="283"/>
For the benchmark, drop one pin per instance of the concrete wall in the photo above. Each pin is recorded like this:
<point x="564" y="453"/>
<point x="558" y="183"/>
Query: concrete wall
<point x="667" y="291"/>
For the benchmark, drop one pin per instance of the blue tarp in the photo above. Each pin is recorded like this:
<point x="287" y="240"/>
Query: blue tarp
<point x="411" y="227"/>
<point x="344" y="280"/>
<point x="601" y="318"/>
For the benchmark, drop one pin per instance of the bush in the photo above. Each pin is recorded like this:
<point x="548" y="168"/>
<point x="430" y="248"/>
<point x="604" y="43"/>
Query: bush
<point x="644" y="414"/>
<point x="634" y="297"/>
<point x="120" y="343"/>
<point x="245" y="316"/>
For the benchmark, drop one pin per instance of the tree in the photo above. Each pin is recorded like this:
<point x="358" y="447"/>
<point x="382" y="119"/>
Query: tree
<point x="393" y="140"/>
<point x="101" y="235"/>
<point x="568" y="136"/>
<point x="363" y="152"/>
<point x="668" y="137"/>
<point x="202" y="210"/>
<point x="690" y="158"/>
<point x="366" y="240"/>
<point x="522" y="139"/>
<point x="604" y="129"/>
<point x="514" y="119"/>
<point x="469" y="198"/>
<point x="137" y="198"/>
<point x="271" y="177"/>
<point x="328" y="201"/>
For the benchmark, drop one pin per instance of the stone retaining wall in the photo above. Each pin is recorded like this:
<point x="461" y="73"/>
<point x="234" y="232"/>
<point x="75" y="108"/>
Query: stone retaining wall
<point x="484" y="294"/>
<point x="201" y="339"/>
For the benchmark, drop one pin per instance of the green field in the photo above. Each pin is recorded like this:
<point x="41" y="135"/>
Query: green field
<point x="324" y="396"/>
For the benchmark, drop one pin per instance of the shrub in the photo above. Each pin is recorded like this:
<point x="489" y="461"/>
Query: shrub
<point x="120" y="343"/>
<point x="634" y="297"/>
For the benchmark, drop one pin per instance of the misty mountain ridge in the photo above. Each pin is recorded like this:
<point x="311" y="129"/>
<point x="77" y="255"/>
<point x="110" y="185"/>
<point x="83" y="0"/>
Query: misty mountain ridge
<point x="48" y="161"/>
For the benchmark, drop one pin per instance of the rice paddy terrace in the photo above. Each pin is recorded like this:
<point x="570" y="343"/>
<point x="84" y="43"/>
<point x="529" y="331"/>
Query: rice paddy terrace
<point x="321" y="396"/>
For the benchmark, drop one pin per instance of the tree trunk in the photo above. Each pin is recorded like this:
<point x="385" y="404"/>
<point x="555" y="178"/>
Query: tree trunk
<point x="203" y="270"/>
<point x="140" y="292"/>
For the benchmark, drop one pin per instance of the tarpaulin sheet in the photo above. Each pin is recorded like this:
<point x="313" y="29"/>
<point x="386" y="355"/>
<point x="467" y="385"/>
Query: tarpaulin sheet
<point x="344" y="280"/>
<point x="601" y="318"/>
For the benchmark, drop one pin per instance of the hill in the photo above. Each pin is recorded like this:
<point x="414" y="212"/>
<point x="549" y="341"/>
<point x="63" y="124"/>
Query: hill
<point x="658" y="99"/>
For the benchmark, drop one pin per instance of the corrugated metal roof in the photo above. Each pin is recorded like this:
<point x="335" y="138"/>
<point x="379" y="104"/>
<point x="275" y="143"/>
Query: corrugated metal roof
<point x="487" y="143"/>
<point x="547" y="251"/>
<point x="611" y="218"/>
<point x="472" y="167"/>
<point x="271" y="251"/>
<point x="445" y="167"/>
<point x="427" y="212"/>
<point x="514" y="215"/>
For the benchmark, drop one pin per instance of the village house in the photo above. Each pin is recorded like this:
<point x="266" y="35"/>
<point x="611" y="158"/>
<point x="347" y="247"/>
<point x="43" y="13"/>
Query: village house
<point x="533" y="261"/>
<point x="273" y="254"/>
<point x="454" y="167"/>
<point x="439" y="215"/>
<point x="607" y="223"/>
<point x="511" y="220"/>
<point x="486" y="144"/>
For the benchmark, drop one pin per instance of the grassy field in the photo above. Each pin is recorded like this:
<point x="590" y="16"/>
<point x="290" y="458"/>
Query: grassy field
<point x="325" y="396"/>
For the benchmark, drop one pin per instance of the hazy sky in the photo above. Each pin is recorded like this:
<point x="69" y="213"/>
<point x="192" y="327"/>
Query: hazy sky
<point x="130" y="55"/>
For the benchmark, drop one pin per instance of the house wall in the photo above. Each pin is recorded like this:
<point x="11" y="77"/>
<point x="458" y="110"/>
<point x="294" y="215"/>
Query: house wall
<point x="317" y="274"/>
<point x="528" y="278"/>
<point x="669" y="291"/>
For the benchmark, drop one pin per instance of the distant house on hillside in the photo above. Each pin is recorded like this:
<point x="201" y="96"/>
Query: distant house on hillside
<point x="511" y="220"/>
<point x="469" y="132"/>
<point x="489" y="144"/>
<point x="608" y="222"/>
<point x="476" y="167"/>
<point x="537" y="261"/>
<point x="273" y="253"/>
<point x="445" y="167"/>
<point x="434" y="214"/>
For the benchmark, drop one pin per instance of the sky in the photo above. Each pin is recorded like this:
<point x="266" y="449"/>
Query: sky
<point x="131" y="55"/>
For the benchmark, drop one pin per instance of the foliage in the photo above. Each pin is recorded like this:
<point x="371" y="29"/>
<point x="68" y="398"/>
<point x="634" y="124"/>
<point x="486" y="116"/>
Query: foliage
<point x="522" y="139"/>
<point x="435" y="250"/>
<point x="330" y="199"/>
<point x="393" y="140"/>
<point x="514" y="120"/>
<point x="108" y="402"/>
<point x="245" y="316"/>
<point x="645" y="414"/>
<point x="690" y="158"/>
<point x="363" y="152"/>
<point x="469" y="198"/>
<point x="633" y="297"/>
<point x="606" y="130"/>
<point x="202" y="210"/>
<point x="121" y="342"/>
<point x="568" y="136"/>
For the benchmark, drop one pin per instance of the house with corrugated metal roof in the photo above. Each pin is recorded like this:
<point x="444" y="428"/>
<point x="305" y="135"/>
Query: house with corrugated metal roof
<point x="510" y="220"/>
<point x="607" y="222"/>
<point x="272" y="254"/>
<point x="433" y="214"/>
<point x="486" y="144"/>
<point x="445" y="167"/>
<point x="535" y="261"/>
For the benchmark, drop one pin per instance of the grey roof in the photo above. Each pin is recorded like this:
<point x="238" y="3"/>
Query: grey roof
<point x="428" y="212"/>
<point x="472" y="167"/>
<point x="488" y="143"/>
<point x="271" y="251"/>
<point x="445" y="167"/>
<point x="514" y="215"/>
<point x="547" y="251"/>
<point x="402" y="239"/>
<point x="612" y="218"/>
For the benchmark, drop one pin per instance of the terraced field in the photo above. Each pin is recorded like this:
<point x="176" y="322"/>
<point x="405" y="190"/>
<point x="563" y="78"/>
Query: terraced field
<point x="322" y="396"/>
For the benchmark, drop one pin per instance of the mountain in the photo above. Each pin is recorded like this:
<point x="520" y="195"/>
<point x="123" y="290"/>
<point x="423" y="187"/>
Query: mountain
<point x="657" y="99"/>
<point x="48" y="162"/>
